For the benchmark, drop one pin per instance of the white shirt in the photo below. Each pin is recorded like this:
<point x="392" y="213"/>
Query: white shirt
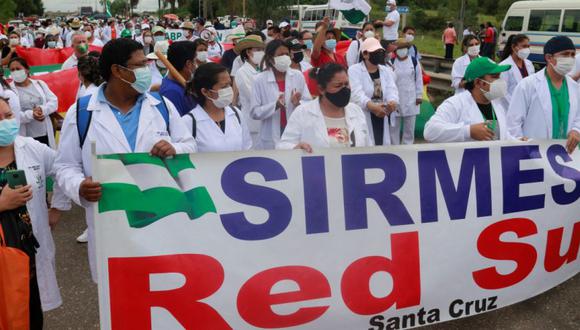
<point x="305" y="65"/>
<point x="577" y="67"/>
<point x="458" y="71"/>
<point x="70" y="62"/>
<point x="353" y="52"/>
<point x="215" y="50"/>
<point x="392" y="32"/>
<point x="513" y="77"/>
<point x="236" y="65"/>
<point x="307" y="125"/>
<point x="410" y="86"/>
<point x="245" y="78"/>
<point x="97" y="42"/>
<point x="210" y="137"/>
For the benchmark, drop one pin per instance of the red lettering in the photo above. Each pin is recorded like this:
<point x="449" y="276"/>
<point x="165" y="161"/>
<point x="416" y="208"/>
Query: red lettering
<point x="255" y="299"/>
<point x="553" y="261"/>
<point x="131" y="298"/>
<point x="404" y="268"/>
<point x="490" y="246"/>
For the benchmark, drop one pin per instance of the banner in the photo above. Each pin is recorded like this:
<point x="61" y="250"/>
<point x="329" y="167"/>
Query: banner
<point x="369" y="238"/>
<point x="64" y="84"/>
<point x="38" y="56"/>
<point x="174" y="34"/>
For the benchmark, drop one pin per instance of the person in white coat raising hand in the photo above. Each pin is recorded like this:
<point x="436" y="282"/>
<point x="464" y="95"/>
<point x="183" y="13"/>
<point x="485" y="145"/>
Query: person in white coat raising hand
<point x="120" y="117"/>
<point x="277" y="92"/>
<point x="546" y="105"/>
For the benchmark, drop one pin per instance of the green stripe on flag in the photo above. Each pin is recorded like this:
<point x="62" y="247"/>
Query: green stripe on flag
<point x="174" y="165"/>
<point x="39" y="69"/>
<point x="353" y="16"/>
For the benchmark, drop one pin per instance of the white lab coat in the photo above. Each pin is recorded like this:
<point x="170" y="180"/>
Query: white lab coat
<point x="215" y="50"/>
<point x="14" y="103"/>
<point x="70" y="62"/>
<point x="458" y="71"/>
<point x="531" y="115"/>
<point x="363" y="89"/>
<point x="238" y="62"/>
<point x="73" y="164"/>
<point x="49" y="105"/>
<point x="409" y="82"/>
<point x="245" y="82"/>
<point x="307" y="125"/>
<point x="84" y="91"/>
<point x="453" y="119"/>
<point x="209" y="136"/>
<point x="513" y="77"/>
<point x="36" y="160"/>
<point x="353" y="52"/>
<point x="97" y="42"/>
<point x="264" y="98"/>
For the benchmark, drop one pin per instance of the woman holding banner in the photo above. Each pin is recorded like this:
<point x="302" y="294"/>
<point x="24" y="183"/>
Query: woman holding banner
<point x="37" y="102"/>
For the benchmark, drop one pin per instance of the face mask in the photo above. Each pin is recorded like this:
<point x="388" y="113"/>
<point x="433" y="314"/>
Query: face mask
<point x="297" y="57"/>
<point x="201" y="56"/>
<point x="308" y="44"/>
<point x="340" y="98"/>
<point x="187" y="33"/>
<point x="257" y="57"/>
<point x="142" y="79"/>
<point x="403" y="52"/>
<point x="83" y="48"/>
<point x="473" y="51"/>
<point x="9" y="129"/>
<point x="369" y="34"/>
<point x="51" y="44"/>
<point x="330" y="44"/>
<point x="14" y="42"/>
<point x="524" y="53"/>
<point x="282" y="63"/>
<point x="564" y="65"/>
<point x="377" y="58"/>
<point x="497" y="89"/>
<point x="225" y="97"/>
<point x="137" y="32"/>
<point x="19" y="76"/>
<point x="409" y="37"/>
<point x="147" y="40"/>
<point x="159" y="38"/>
<point x="88" y="34"/>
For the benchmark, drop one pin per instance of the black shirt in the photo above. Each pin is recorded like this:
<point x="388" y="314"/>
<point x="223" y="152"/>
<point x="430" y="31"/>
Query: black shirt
<point x="486" y="111"/>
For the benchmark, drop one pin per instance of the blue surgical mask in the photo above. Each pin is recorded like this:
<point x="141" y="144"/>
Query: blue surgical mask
<point x="330" y="44"/>
<point x="308" y="44"/>
<point x="158" y="38"/>
<point x="9" y="129"/>
<point x="142" y="79"/>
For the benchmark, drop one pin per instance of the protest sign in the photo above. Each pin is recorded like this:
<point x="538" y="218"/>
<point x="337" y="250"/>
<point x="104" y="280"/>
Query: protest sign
<point x="369" y="238"/>
<point x="174" y="34"/>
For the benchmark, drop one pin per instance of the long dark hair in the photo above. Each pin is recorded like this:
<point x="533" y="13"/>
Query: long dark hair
<point x="270" y="52"/>
<point x="323" y="75"/>
<point x="467" y="40"/>
<point x="513" y="40"/>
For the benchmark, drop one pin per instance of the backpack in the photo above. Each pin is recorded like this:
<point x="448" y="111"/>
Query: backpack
<point x="194" y="121"/>
<point x="84" y="116"/>
<point x="414" y="60"/>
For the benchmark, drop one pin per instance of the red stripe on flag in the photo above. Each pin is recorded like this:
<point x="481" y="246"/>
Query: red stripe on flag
<point x="37" y="56"/>
<point x="64" y="84"/>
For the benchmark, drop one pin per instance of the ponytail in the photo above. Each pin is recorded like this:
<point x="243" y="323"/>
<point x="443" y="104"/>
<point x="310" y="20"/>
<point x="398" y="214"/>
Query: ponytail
<point x="514" y="39"/>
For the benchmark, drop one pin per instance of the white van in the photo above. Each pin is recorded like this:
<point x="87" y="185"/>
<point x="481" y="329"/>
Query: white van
<point x="312" y="14"/>
<point x="542" y="20"/>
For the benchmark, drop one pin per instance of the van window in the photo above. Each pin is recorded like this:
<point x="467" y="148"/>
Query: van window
<point x="514" y="23"/>
<point x="544" y="20"/>
<point x="571" y="21"/>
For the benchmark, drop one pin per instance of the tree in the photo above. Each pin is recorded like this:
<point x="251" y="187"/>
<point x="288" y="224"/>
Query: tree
<point x="29" y="7"/>
<point x="119" y="7"/>
<point x="39" y="10"/>
<point x="7" y="10"/>
<point x="263" y="10"/>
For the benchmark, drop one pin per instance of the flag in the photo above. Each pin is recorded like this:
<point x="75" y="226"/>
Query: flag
<point x="108" y="8"/>
<point x="150" y="188"/>
<point x="37" y="56"/>
<point x="354" y="11"/>
<point x="64" y="84"/>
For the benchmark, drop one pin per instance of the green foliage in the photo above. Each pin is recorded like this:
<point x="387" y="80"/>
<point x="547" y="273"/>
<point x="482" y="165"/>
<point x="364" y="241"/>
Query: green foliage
<point x="119" y="7"/>
<point x="7" y="10"/>
<point x="27" y="7"/>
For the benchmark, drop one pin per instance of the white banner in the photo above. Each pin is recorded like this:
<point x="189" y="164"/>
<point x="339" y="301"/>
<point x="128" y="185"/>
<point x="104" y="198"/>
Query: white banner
<point x="174" y="34"/>
<point x="373" y="238"/>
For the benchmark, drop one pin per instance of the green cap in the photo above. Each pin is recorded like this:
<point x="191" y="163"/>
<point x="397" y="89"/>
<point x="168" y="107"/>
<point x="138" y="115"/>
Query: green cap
<point x="481" y="66"/>
<point x="126" y="33"/>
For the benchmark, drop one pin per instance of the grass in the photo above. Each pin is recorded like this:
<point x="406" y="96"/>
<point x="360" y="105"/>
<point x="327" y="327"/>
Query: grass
<point x="430" y="43"/>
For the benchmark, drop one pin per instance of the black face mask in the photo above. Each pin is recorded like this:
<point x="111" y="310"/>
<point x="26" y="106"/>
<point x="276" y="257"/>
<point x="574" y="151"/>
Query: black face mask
<point x="297" y="57"/>
<point x="286" y="34"/>
<point x="340" y="98"/>
<point x="377" y="58"/>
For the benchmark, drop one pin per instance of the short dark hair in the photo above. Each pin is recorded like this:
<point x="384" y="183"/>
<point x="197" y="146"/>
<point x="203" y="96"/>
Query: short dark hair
<point x="274" y="29"/>
<point x="88" y="67"/>
<point x="256" y="33"/>
<point x="180" y="52"/>
<point x="324" y="74"/>
<point x="270" y="51"/>
<point x="21" y="61"/>
<point x="117" y="51"/>
<point x="206" y="76"/>
<point x="407" y="28"/>
<point x="302" y="33"/>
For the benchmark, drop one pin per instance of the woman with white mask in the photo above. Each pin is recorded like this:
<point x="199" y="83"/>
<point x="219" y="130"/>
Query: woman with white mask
<point x="515" y="53"/>
<point x="37" y="102"/>
<point x="277" y="92"/>
<point x="477" y="114"/>
<point x="214" y="123"/>
<point x="201" y="54"/>
<point x="471" y="47"/>
<point x="354" y="49"/>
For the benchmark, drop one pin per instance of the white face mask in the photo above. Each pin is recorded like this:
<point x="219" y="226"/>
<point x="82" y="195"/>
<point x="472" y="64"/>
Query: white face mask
<point x="524" y="53"/>
<point x="257" y="57"/>
<point x="369" y="34"/>
<point x="564" y="65"/>
<point x="201" y="56"/>
<point x="147" y="40"/>
<point x="473" y="51"/>
<point x="225" y="97"/>
<point x="409" y="37"/>
<point x="282" y="63"/>
<point x="497" y="89"/>
<point x="403" y="52"/>
<point x="19" y="76"/>
<point x="88" y="34"/>
<point x="14" y="42"/>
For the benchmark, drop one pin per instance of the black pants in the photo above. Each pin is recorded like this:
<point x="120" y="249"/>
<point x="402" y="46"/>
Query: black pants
<point x="42" y="139"/>
<point x="449" y="51"/>
<point x="378" y="129"/>
<point x="36" y="318"/>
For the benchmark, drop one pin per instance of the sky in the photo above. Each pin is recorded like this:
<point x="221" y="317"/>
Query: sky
<point x="72" y="5"/>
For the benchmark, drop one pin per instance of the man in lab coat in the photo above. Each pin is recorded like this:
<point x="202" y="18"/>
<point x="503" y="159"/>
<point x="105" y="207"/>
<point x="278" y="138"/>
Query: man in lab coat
<point x="546" y="105"/>
<point x="121" y="117"/>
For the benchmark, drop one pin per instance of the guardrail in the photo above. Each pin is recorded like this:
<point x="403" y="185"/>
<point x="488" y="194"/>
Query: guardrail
<point x="439" y="69"/>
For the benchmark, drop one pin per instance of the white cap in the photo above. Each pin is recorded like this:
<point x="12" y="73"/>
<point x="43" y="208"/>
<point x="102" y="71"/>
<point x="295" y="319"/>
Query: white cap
<point x="391" y="2"/>
<point x="283" y="24"/>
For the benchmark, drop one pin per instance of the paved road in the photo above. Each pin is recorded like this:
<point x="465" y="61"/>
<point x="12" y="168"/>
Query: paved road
<point x="558" y="308"/>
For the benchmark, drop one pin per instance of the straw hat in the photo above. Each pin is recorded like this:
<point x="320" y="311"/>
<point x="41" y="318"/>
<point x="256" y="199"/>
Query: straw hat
<point x="251" y="41"/>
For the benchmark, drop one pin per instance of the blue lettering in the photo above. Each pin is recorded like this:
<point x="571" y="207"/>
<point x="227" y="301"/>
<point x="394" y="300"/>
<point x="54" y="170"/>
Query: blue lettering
<point x="276" y="203"/>
<point x="434" y="164"/>
<point x="513" y="177"/>
<point x="559" y="192"/>
<point x="315" y="199"/>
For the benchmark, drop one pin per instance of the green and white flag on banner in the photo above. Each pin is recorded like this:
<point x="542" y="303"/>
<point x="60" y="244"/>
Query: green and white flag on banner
<point x="354" y="11"/>
<point x="108" y="8"/>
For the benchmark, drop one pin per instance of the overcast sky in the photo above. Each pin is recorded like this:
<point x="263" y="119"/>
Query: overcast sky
<point x="72" y="5"/>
